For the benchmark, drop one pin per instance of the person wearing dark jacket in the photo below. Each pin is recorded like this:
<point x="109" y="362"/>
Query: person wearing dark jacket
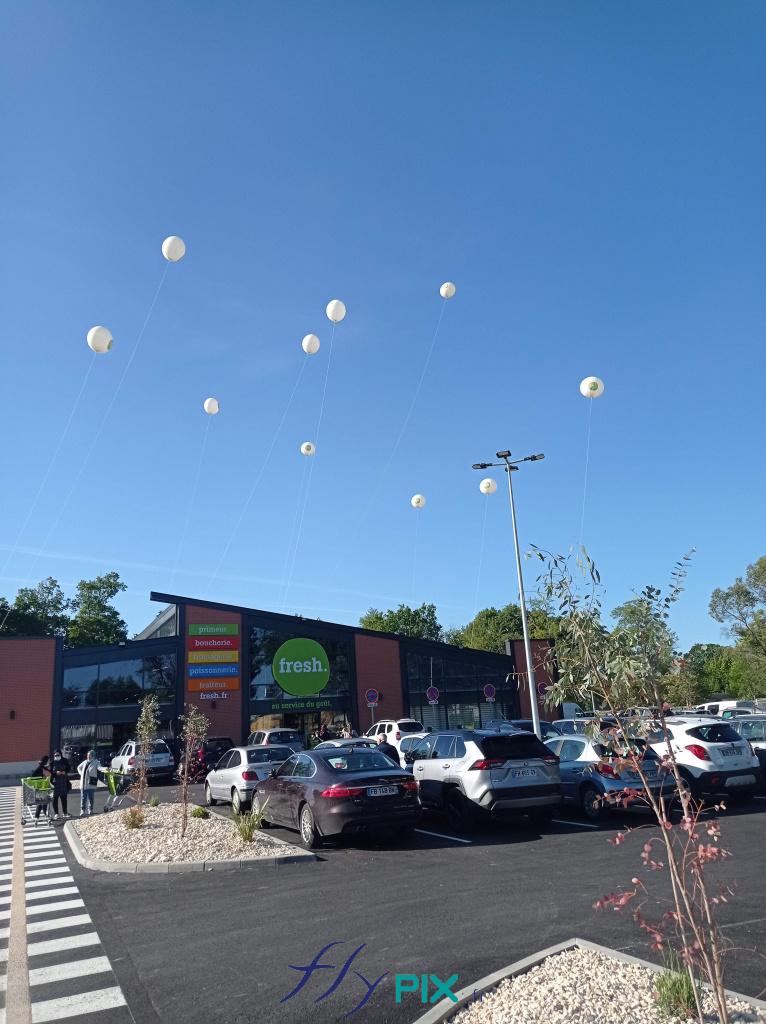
<point x="42" y="771"/>
<point x="388" y="749"/>
<point x="60" y="778"/>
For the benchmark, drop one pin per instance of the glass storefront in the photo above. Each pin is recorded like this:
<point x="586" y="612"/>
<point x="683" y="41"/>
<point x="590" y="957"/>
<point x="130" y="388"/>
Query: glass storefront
<point x="313" y="688"/>
<point x="458" y="690"/>
<point x="120" y="683"/>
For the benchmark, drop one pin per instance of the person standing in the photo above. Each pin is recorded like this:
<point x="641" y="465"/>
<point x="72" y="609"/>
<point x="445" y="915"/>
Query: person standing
<point x="60" y="779"/>
<point x="88" y="772"/>
<point x="42" y="771"/>
<point x="388" y="748"/>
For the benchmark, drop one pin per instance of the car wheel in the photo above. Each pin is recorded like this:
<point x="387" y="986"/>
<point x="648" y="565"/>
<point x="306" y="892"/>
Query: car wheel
<point x="238" y="805"/>
<point x="461" y="814"/>
<point x="209" y="797"/>
<point x="309" y="835"/>
<point x="592" y="803"/>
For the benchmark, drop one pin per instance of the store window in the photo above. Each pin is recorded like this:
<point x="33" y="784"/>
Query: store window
<point x="459" y="691"/>
<point x="81" y="687"/>
<point x="114" y="684"/>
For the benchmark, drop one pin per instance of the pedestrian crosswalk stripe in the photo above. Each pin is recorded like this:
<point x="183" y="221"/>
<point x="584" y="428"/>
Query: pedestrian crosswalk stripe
<point x="72" y="921"/>
<point x="47" y="893"/>
<point x="38" y="883"/>
<point x="40" y="872"/>
<point x="49" y="908"/>
<point x="71" y="969"/>
<point x="45" y="861"/>
<point x="56" y="945"/>
<point x="74" y="1006"/>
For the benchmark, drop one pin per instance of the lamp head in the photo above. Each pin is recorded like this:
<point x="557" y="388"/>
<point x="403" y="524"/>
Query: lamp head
<point x="503" y="455"/>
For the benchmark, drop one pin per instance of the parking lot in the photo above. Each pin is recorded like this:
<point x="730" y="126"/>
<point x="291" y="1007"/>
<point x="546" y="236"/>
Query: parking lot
<point x="220" y="946"/>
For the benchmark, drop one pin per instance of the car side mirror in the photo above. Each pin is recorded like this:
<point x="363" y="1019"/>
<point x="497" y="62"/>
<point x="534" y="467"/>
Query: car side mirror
<point x="409" y="758"/>
<point x="273" y="773"/>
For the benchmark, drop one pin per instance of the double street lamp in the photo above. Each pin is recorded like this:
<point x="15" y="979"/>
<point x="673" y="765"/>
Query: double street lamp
<point x="510" y="466"/>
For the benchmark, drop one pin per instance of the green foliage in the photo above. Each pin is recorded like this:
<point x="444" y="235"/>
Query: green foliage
<point x="134" y="817"/>
<point x="39" y="611"/>
<point x="405" y="621"/>
<point x="154" y="801"/>
<point x="251" y="822"/>
<point x="200" y="812"/>
<point x="95" y="620"/>
<point x="491" y="627"/>
<point x="146" y="730"/>
<point x="742" y="607"/>
<point x="675" y="990"/>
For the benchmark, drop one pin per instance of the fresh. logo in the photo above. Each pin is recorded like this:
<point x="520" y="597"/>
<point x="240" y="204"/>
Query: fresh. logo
<point x="301" y="667"/>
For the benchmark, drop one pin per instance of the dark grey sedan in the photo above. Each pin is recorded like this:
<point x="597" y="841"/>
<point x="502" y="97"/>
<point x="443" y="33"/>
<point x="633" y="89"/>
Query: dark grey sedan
<point x="338" y="791"/>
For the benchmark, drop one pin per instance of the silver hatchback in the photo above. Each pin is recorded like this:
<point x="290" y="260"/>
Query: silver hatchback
<point x="239" y="771"/>
<point x="471" y="773"/>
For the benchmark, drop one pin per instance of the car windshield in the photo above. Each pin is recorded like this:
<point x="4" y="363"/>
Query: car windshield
<point x="620" y="749"/>
<point x="409" y="727"/>
<point x="158" y="747"/>
<point x="218" y="746"/>
<point x="716" y="732"/>
<point x="284" y="736"/>
<point x="269" y="755"/>
<point x="752" y="730"/>
<point x="358" y="761"/>
<point x="521" y="745"/>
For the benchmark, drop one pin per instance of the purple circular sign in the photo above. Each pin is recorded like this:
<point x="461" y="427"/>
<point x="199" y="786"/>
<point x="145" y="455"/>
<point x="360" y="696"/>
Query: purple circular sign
<point x="371" y="696"/>
<point x="489" y="691"/>
<point x="432" y="695"/>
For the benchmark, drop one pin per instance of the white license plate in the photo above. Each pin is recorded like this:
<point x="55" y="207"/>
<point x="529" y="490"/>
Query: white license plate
<point x="523" y="773"/>
<point x="741" y="780"/>
<point x="728" y="751"/>
<point x="383" y="791"/>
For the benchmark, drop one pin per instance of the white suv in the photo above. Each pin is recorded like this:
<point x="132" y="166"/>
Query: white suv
<point x="394" y="729"/>
<point x="159" y="760"/>
<point x="712" y="757"/>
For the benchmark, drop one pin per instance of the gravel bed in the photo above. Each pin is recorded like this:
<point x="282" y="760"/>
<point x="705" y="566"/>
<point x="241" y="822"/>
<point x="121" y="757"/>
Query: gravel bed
<point x="579" y="986"/>
<point x="158" y="840"/>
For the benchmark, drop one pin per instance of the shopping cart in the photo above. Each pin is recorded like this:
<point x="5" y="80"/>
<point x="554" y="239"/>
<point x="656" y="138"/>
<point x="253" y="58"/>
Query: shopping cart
<point x="36" y="793"/>
<point x="119" y="785"/>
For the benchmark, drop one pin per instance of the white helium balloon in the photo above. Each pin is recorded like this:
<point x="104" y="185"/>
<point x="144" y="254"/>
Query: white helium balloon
<point x="211" y="406"/>
<point x="488" y="485"/>
<point x="336" y="310"/>
<point x="100" y="339"/>
<point x="308" y="448"/>
<point x="591" y="387"/>
<point x="447" y="290"/>
<point x="418" y="501"/>
<point x="174" y="248"/>
<point x="310" y="344"/>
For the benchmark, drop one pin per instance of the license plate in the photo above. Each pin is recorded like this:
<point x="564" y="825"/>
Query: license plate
<point x="729" y="751"/>
<point x="523" y="773"/>
<point x="383" y="791"/>
<point x="741" y="780"/>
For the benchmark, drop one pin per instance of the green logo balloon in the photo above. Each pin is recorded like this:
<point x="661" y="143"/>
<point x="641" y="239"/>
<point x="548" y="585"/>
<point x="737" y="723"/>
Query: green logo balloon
<point x="301" y="667"/>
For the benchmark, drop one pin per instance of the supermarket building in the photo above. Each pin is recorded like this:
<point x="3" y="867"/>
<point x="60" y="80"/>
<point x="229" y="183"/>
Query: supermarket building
<point x="245" y="669"/>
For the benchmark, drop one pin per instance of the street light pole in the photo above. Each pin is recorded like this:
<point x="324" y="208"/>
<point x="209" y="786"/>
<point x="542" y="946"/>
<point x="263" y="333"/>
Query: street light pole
<point x="511" y="467"/>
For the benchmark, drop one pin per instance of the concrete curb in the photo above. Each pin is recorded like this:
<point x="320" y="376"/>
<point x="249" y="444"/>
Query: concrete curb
<point x="296" y="856"/>
<point x="446" y="1009"/>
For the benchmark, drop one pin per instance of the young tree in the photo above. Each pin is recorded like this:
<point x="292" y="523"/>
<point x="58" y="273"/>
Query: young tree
<point x="627" y="666"/>
<point x="193" y="732"/>
<point x="146" y="732"/>
<point x="95" y="620"/>
<point x="405" y="621"/>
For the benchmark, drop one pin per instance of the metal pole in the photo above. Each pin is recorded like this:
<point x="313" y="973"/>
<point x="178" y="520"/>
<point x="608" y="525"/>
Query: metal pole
<point x="522" y="602"/>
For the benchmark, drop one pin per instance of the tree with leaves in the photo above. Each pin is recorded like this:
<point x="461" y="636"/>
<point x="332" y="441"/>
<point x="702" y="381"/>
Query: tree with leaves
<point x="742" y="607"/>
<point x="405" y="621"/>
<point x="36" y="611"/>
<point x="194" y="727"/>
<point x="95" y="619"/>
<point x="491" y="627"/>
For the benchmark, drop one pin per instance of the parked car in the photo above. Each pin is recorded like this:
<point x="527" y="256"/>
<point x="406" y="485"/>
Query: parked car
<point x="237" y="773"/>
<point x="753" y="729"/>
<point x="206" y="754"/>
<point x="277" y="737"/>
<point x="592" y="781"/>
<point x="159" y="762"/>
<point x="355" y="741"/>
<point x="712" y="756"/>
<point x="338" y="791"/>
<point x="394" y="729"/>
<point x="547" y="729"/>
<point x="579" y="726"/>
<point x="471" y="773"/>
<point x="406" y="744"/>
<point x="729" y="713"/>
<point x="717" y="706"/>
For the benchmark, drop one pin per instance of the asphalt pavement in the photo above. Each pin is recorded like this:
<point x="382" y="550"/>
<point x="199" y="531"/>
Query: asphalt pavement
<point x="228" y="946"/>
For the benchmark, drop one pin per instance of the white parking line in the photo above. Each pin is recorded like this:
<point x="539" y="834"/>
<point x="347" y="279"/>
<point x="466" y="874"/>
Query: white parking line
<point x="74" y="1006"/>
<point x="439" y="835"/>
<point x="579" y="824"/>
<point x="72" y="969"/>
<point x="60" y="922"/>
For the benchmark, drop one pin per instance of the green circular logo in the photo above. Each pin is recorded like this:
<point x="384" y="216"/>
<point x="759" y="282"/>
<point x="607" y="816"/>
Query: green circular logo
<point x="301" y="667"/>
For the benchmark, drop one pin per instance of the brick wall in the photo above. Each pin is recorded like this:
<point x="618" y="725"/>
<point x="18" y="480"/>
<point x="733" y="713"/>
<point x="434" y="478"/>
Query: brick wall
<point x="27" y="668"/>
<point x="224" y="712"/>
<point x="378" y="666"/>
<point x="540" y="649"/>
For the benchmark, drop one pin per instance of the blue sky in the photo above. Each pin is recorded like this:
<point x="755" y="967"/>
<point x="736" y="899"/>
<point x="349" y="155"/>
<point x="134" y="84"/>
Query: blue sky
<point x="590" y="175"/>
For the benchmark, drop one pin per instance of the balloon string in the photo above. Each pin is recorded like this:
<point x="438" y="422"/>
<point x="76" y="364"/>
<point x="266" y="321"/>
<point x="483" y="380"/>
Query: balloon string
<point x="415" y="557"/>
<point x="292" y="547"/>
<point x="47" y="473"/>
<point x="192" y="500"/>
<point x="97" y="436"/>
<point x="259" y="476"/>
<point x="587" y="461"/>
<point x="478" y="571"/>
<point x="394" y="449"/>
<point x="324" y="389"/>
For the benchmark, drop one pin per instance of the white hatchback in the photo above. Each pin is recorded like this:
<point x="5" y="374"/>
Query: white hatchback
<point x="159" y="760"/>
<point x="712" y="757"/>
<point x="394" y="729"/>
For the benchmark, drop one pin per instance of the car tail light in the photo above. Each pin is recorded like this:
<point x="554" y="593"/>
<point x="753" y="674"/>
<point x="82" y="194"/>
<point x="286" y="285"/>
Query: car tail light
<point x="131" y="761"/>
<point x="487" y="763"/>
<point x="249" y="776"/>
<point x="698" y="751"/>
<point x="200" y="755"/>
<point x="607" y="770"/>
<point x="410" y="787"/>
<point x="337" y="792"/>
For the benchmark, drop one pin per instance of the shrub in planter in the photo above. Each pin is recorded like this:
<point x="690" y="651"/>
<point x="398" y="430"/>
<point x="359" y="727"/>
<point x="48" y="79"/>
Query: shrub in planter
<point x="250" y="823"/>
<point x="134" y="817"/>
<point x="200" y="812"/>
<point x="154" y="801"/>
